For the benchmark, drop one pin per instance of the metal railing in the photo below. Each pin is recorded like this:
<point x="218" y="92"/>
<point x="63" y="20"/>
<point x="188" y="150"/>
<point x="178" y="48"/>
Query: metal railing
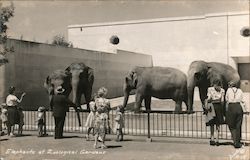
<point x="150" y="124"/>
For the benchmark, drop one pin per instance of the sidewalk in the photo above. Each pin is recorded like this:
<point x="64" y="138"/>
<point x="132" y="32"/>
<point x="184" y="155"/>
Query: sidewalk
<point x="74" y="146"/>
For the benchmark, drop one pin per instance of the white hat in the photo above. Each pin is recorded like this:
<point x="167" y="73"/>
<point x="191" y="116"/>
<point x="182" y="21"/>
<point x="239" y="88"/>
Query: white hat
<point x="60" y="89"/>
<point x="40" y="109"/>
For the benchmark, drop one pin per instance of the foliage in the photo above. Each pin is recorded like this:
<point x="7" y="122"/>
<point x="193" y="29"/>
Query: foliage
<point x="5" y="14"/>
<point x="60" y="41"/>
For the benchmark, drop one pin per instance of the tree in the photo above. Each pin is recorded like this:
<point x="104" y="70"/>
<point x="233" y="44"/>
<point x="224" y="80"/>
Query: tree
<point x="59" y="40"/>
<point x="5" y="14"/>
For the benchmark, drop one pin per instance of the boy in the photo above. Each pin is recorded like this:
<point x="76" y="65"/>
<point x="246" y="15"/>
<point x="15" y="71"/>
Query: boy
<point x="40" y="121"/>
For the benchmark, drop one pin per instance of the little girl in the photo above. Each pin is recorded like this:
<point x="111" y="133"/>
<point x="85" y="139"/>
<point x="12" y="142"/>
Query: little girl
<point x="90" y="119"/>
<point x="119" y="124"/>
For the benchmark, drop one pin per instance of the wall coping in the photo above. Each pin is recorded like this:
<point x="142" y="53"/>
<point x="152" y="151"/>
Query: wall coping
<point x="158" y="20"/>
<point x="118" y="51"/>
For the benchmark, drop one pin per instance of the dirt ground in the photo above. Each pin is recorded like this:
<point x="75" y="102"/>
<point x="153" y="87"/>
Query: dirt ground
<point x="74" y="146"/>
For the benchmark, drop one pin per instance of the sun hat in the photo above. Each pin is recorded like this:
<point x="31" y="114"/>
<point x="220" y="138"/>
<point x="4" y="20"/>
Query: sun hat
<point x="60" y="89"/>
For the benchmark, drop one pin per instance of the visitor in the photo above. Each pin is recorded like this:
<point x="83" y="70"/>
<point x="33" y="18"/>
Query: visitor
<point x="13" y="115"/>
<point x="234" y="112"/>
<point x="102" y="117"/>
<point x="215" y="111"/>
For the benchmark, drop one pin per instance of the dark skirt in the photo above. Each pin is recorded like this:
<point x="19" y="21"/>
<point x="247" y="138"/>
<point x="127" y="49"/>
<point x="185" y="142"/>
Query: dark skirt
<point x="219" y="115"/>
<point x="13" y="116"/>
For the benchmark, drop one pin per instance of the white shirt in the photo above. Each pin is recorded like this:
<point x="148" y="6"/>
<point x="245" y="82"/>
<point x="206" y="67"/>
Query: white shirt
<point x="212" y="94"/>
<point x="234" y="95"/>
<point x="40" y="115"/>
<point x="11" y="100"/>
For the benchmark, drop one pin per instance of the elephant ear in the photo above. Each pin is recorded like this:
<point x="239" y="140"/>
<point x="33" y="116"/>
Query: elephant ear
<point x="47" y="84"/>
<point x="91" y="75"/>
<point x="135" y="79"/>
<point x="67" y="71"/>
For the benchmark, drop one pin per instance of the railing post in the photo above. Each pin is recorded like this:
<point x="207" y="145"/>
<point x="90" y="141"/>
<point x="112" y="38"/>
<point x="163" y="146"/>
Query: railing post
<point x="45" y="131"/>
<point x="149" y="139"/>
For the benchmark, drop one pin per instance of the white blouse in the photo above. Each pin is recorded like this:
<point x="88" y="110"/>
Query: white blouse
<point x="212" y="94"/>
<point x="11" y="100"/>
<point x="234" y="95"/>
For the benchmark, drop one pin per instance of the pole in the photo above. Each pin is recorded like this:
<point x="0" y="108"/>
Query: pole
<point x="149" y="139"/>
<point x="45" y="131"/>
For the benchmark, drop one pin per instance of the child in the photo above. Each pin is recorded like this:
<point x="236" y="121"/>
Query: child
<point x="119" y="124"/>
<point x="90" y="119"/>
<point x="21" y="121"/>
<point x="40" y="121"/>
<point x="4" y="115"/>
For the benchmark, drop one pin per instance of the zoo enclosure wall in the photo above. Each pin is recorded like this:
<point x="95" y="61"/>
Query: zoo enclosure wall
<point x="32" y="62"/>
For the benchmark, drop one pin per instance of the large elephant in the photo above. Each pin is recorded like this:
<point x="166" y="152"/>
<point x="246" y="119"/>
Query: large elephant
<point x="202" y="74"/>
<point x="159" y="82"/>
<point x="77" y="78"/>
<point x="81" y="81"/>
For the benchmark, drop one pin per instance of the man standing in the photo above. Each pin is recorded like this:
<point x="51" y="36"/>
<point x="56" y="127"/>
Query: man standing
<point x="60" y="105"/>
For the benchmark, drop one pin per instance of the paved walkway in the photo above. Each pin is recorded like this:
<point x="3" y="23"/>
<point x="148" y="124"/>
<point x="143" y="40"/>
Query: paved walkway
<point x="74" y="146"/>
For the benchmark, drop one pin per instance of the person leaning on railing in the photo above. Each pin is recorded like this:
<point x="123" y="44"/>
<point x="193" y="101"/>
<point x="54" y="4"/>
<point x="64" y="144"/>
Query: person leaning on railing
<point x="214" y="107"/>
<point x="234" y="112"/>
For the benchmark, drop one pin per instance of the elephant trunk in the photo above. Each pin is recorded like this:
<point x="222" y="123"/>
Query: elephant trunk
<point x="126" y="91"/>
<point x="190" y="90"/>
<point x="75" y="82"/>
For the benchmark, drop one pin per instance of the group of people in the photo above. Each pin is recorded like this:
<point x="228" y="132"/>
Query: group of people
<point x="98" y="118"/>
<point x="232" y="114"/>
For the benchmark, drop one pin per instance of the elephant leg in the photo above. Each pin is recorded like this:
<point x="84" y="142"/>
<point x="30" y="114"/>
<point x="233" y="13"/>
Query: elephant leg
<point x="203" y="96"/>
<point x="78" y="101"/>
<point x="87" y="96"/>
<point x="147" y="103"/>
<point x="178" y="106"/>
<point x="138" y="101"/>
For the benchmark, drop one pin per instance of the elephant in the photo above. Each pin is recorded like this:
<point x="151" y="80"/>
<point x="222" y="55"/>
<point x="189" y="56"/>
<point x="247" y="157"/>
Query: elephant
<point x="82" y="80"/>
<point x="77" y="78"/>
<point x="202" y="74"/>
<point x="159" y="82"/>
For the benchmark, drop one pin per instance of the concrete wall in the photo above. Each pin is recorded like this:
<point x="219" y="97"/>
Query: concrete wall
<point x="31" y="62"/>
<point x="174" y="42"/>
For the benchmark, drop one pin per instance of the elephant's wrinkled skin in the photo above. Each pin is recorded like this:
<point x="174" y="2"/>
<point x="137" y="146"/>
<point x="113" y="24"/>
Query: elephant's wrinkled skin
<point x="81" y="81"/>
<point x="202" y="74"/>
<point x="159" y="82"/>
<point x="77" y="78"/>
